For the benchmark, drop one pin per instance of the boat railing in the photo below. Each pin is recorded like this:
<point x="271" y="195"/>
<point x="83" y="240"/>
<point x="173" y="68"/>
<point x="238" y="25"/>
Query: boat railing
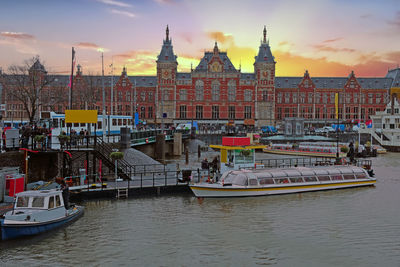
<point x="307" y="162"/>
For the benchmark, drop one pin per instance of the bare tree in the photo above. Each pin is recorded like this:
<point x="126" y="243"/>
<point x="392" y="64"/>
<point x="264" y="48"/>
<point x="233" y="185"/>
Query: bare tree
<point x="25" y="84"/>
<point x="87" y="91"/>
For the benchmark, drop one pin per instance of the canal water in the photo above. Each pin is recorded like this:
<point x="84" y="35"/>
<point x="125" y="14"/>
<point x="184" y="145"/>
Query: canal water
<point x="351" y="227"/>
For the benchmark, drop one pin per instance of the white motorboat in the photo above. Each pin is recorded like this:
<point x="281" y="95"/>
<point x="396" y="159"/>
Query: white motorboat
<point x="35" y="212"/>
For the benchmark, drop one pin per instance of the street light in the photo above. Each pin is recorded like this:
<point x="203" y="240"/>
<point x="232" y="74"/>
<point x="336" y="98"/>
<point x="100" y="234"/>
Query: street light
<point x="104" y="96"/>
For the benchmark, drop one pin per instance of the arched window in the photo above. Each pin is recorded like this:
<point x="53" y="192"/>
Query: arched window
<point x="231" y="90"/>
<point x="199" y="90"/>
<point x="215" y="90"/>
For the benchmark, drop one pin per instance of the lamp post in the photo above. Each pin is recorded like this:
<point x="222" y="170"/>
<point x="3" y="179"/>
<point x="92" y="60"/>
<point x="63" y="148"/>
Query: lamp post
<point x="104" y="96"/>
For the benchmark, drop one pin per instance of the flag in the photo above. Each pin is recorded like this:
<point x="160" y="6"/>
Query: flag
<point x="336" y="105"/>
<point x="368" y="123"/>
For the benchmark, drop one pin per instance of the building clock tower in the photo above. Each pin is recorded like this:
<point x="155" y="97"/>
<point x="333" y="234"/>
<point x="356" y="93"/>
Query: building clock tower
<point x="166" y="82"/>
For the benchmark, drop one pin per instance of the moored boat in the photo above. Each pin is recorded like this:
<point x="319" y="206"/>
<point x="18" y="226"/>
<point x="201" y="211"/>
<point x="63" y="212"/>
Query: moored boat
<point x="262" y="182"/>
<point x="304" y="150"/>
<point x="35" y="212"/>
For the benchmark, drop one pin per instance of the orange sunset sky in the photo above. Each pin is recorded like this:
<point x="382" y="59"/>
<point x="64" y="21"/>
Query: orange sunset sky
<point x="327" y="37"/>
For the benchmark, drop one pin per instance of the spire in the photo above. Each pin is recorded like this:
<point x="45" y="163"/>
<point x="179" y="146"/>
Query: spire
<point x="167" y="52"/>
<point x="216" y="48"/>
<point x="78" y="70"/>
<point x="306" y="74"/>
<point x="265" y="34"/>
<point x="124" y="70"/>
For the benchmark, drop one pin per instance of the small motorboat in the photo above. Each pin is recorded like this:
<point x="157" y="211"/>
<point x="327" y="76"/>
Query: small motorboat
<point x="262" y="182"/>
<point x="35" y="212"/>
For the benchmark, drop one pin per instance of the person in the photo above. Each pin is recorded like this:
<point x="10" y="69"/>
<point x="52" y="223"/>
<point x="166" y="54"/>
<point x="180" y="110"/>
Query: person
<point x="65" y="193"/>
<point x="350" y="154"/>
<point x="204" y="164"/>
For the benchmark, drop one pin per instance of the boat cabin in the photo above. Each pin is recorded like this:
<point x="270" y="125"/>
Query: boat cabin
<point x="301" y="175"/>
<point x="44" y="199"/>
<point x="237" y="153"/>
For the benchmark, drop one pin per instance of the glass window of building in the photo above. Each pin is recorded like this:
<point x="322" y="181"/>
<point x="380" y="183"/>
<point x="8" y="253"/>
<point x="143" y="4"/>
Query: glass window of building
<point x="370" y="98"/>
<point x="199" y="112"/>
<point x="182" y="112"/>
<point x="199" y="90"/>
<point x="247" y="112"/>
<point x="302" y="98"/>
<point x="143" y="96"/>
<point x="310" y="98"/>
<point x="183" y="94"/>
<point x="215" y="112"/>
<point x="294" y="97"/>
<point x="231" y="90"/>
<point x="215" y="91"/>
<point x="279" y="98"/>
<point x="150" y="112"/>
<point x="232" y="114"/>
<point x="265" y="95"/>
<point x="247" y="95"/>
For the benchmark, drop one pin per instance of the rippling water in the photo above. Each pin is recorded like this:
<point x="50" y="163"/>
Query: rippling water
<point x="351" y="227"/>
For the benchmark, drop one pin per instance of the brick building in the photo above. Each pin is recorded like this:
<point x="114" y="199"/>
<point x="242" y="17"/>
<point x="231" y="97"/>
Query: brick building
<point x="215" y="92"/>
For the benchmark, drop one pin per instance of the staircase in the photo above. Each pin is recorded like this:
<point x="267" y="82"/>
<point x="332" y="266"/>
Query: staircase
<point x="103" y="151"/>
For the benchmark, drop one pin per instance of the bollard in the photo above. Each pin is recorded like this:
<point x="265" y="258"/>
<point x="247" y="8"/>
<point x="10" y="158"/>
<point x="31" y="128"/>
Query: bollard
<point x="187" y="156"/>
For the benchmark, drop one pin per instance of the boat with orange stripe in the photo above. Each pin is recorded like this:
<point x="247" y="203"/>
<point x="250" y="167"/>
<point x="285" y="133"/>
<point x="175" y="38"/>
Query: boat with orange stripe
<point x="262" y="182"/>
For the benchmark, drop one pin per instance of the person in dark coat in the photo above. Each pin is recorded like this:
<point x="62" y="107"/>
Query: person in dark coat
<point x="350" y="154"/>
<point x="65" y="193"/>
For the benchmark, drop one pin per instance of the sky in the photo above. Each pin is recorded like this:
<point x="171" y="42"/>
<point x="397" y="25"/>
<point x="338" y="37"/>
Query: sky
<point x="326" y="37"/>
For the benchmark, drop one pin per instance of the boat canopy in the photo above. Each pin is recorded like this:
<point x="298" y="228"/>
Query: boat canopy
<point x="293" y="175"/>
<point x="43" y="199"/>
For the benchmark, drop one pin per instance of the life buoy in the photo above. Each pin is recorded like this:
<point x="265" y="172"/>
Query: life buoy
<point x="147" y="140"/>
<point x="343" y="161"/>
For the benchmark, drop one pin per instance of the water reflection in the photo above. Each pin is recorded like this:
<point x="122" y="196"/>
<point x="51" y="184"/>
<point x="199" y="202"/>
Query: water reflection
<point x="342" y="227"/>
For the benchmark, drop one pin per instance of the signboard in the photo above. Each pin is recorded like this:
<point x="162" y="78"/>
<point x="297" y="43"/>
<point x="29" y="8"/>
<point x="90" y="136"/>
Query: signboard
<point x="81" y="116"/>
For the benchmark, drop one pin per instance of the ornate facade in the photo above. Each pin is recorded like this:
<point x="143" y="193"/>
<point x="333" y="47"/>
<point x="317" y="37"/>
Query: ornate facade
<point x="215" y="92"/>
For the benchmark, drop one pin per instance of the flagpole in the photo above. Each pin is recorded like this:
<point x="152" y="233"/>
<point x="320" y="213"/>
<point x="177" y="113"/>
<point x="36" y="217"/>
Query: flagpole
<point x="72" y="78"/>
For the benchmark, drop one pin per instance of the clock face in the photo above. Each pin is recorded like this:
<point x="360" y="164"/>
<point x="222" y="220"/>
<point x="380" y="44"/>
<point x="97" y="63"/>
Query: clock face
<point x="166" y="74"/>
<point x="264" y="74"/>
<point x="216" y="67"/>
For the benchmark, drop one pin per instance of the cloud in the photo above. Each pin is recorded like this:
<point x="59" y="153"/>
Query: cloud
<point x="327" y="48"/>
<point x="91" y="46"/>
<point x="396" y="20"/>
<point x="17" y="35"/>
<point x="332" y="40"/>
<point x="187" y="36"/>
<point x="114" y="3"/>
<point x="220" y="37"/>
<point x="366" y="16"/>
<point x="123" y="13"/>
<point x="163" y="2"/>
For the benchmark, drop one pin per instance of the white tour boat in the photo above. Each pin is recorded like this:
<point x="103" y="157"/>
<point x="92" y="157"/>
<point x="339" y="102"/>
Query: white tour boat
<point x="261" y="182"/>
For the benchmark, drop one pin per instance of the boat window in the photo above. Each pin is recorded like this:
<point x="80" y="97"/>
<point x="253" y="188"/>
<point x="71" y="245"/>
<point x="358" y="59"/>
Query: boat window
<point x="324" y="178"/>
<point x="253" y="182"/>
<point x="244" y="156"/>
<point x="361" y="176"/>
<point x="348" y="176"/>
<point x="38" y="202"/>
<point x="282" y="181"/>
<point x="266" y="180"/>
<point x="296" y="180"/>
<point x="51" y="202"/>
<point x="58" y="201"/>
<point x="336" y="177"/>
<point x="310" y="179"/>
<point x="22" y="202"/>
